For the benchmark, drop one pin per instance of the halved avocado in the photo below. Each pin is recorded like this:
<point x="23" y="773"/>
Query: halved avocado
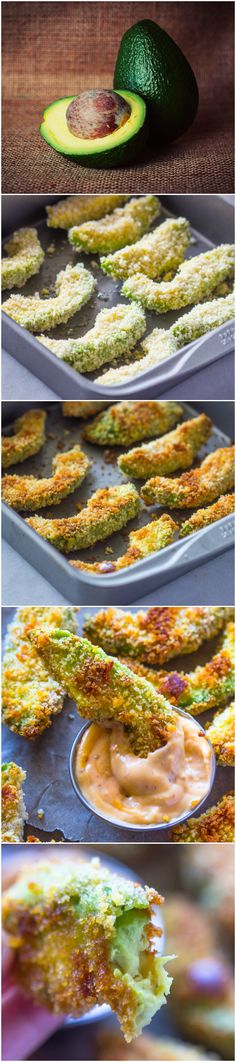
<point x="116" y="149"/>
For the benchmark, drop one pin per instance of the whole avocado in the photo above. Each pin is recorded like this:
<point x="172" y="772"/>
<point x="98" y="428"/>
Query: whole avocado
<point x="151" y="64"/>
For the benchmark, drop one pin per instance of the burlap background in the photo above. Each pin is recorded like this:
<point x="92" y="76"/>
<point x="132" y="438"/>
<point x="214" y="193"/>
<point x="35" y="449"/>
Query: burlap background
<point x="56" y="49"/>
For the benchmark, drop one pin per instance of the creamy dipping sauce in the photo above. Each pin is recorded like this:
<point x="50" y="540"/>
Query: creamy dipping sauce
<point x="144" y="791"/>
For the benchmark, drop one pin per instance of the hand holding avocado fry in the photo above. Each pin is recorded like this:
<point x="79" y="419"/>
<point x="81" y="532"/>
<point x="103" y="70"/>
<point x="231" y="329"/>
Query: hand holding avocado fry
<point x="155" y="95"/>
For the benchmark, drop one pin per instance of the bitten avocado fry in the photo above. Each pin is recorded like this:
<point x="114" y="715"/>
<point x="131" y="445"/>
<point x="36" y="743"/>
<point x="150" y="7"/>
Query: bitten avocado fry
<point x="106" y="511"/>
<point x="175" y="450"/>
<point x="27" y="492"/>
<point x="28" y="439"/>
<point x="13" y="807"/>
<point x="197" y="487"/>
<point x="104" y="689"/>
<point x="85" y="936"/>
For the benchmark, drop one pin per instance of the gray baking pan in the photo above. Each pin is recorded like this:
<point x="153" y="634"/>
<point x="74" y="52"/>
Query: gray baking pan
<point x="212" y="222"/>
<point x="126" y="585"/>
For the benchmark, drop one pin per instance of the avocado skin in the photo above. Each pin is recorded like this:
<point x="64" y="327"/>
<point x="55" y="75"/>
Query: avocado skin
<point x="151" y="64"/>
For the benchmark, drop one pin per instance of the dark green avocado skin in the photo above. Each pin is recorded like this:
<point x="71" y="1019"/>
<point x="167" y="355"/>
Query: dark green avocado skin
<point x="151" y="64"/>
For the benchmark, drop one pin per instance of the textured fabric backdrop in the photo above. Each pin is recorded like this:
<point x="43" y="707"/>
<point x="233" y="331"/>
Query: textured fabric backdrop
<point x="57" y="49"/>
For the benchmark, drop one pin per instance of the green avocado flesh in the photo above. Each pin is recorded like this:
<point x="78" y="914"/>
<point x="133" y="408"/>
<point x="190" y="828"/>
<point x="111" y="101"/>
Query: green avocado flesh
<point x="115" y="149"/>
<point x="150" y="63"/>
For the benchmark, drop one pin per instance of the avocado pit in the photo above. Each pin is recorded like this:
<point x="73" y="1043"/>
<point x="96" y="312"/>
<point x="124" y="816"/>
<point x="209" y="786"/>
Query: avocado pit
<point x="97" y="113"/>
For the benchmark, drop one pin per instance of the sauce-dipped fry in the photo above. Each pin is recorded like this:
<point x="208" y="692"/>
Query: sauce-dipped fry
<point x="27" y="492"/>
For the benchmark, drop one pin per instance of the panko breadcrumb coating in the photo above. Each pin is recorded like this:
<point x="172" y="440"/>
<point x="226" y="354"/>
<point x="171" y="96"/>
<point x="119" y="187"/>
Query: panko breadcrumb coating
<point x="111" y="1045"/>
<point x="74" y="286"/>
<point x="106" y="511"/>
<point x="175" y="450"/>
<point x="125" y="225"/>
<point x="115" y="332"/>
<point x="158" y="252"/>
<point x="195" y="280"/>
<point x="203" y="517"/>
<point x="162" y="343"/>
<point x="25" y="256"/>
<point x="208" y="686"/>
<point x="104" y="690"/>
<point x="29" y="696"/>
<point x="221" y="732"/>
<point x="13" y="807"/>
<point x="27" y="492"/>
<point x="85" y="936"/>
<point x="78" y="208"/>
<point x="28" y="439"/>
<point x="127" y="422"/>
<point x="82" y="410"/>
<point x="156" y="634"/>
<point x="198" y="487"/>
<point x="149" y="539"/>
<point x="216" y="824"/>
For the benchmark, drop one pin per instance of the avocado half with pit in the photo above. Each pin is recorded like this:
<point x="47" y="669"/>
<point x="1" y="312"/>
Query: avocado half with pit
<point x="100" y="128"/>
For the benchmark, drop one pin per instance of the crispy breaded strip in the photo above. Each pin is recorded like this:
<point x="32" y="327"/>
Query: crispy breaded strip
<point x="104" y="689"/>
<point x="158" y="348"/>
<point x="82" y="409"/>
<point x="203" y="318"/>
<point x="29" y="696"/>
<point x="197" y="487"/>
<point x="27" y="492"/>
<point x="28" y="439"/>
<point x="25" y="256"/>
<point x="115" y="331"/>
<point x="125" y="225"/>
<point x="154" y="536"/>
<point x="70" y="922"/>
<point x="106" y="511"/>
<point x="203" y="517"/>
<point x="155" y="254"/>
<point x="175" y="450"/>
<point x="78" y="208"/>
<point x="111" y="1044"/>
<point x="208" y="686"/>
<point x="161" y="343"/>
<point x="127" y="422"/>
<point x="74" y="286"/>
<point x="195" y="280"/>
<point x="216" y="824"/>
<point x="156" y="634"/>
<point x="13" y="807"/>
<point x="221" y="732"/>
